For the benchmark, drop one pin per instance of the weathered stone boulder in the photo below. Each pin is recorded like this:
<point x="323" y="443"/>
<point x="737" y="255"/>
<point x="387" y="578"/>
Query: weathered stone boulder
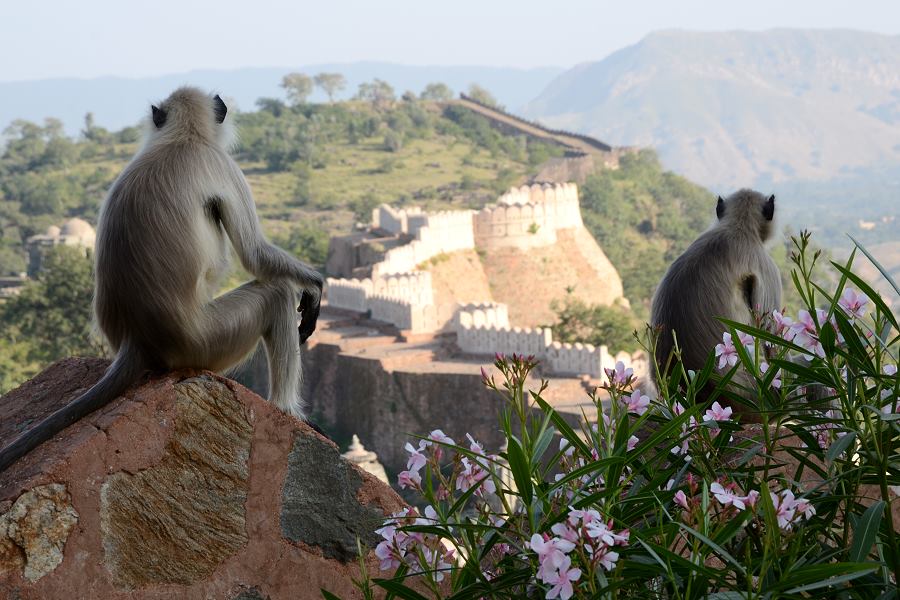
<point x="188" y="486"/>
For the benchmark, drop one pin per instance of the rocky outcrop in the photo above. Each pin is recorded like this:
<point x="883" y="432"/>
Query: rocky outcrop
<point x="189" y="486"/>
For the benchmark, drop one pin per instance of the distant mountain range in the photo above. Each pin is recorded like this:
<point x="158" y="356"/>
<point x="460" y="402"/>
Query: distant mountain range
<point x="735" y="108"/>
<point x="118" y="102"/>
<point x="812" y="115"/>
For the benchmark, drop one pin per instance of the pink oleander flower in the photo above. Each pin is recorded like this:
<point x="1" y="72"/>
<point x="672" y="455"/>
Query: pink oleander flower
<point x="727" y="497"/>
<point x="785" y="508"/>
<point x="764" y="368"/>
<point x="632" y="443"/>
<point x="607" y="558"/>
<point x="566" y="448"/>
<point x="409" y="479"/>
<point x="637" y="403"/>
<point x="747" y="341"/>
<point x="388" y="555"/>
<point x="586" y="517"/>
<point x="474" y="446"/>
<point x="783" y="325"/>
<point x="551" y="553"/>
<point x="889" y="370"/>
<point x="562" y="580"/>
<point x="438" y="436"/>
<point x="717" y="413"/>
<point x="416" y="459"/>
<point x="436" y="562"/>
<point x="620" y="375"/>
<point x="854" y="303"/>
<point x="806" y="334"/>
<point x="726" y="352"/>
<point x="681" y="500"/>
<point x="564" y="532"/>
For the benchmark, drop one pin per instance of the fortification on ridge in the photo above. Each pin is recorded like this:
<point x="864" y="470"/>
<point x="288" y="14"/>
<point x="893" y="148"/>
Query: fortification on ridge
<point x="398" y="291"/>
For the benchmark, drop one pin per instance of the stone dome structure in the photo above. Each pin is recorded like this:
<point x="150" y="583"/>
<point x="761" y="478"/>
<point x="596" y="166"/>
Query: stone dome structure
<point x="80" y="230"/>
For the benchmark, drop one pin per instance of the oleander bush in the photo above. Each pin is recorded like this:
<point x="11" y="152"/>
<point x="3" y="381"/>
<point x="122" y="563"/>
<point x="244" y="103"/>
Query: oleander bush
<point x="684" y="493"/>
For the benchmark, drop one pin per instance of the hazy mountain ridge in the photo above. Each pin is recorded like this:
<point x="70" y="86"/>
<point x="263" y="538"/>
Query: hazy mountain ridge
<point x="739" y="108"/>
<point x="118" y="102"/>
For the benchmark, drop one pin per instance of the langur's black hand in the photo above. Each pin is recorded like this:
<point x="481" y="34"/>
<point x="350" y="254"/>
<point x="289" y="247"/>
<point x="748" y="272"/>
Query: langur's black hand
<point x="309" y="314"/>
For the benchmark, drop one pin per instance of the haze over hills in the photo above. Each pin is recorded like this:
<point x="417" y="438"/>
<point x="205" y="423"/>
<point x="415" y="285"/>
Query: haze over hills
<point x="117" y="102"/>
<point x="812" y="113"/>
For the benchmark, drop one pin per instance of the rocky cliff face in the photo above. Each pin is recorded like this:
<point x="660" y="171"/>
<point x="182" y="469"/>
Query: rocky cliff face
<point x="189" y="486"/>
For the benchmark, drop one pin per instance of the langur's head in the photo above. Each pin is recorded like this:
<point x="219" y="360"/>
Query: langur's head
<point x="189" y="114"/>
<point x="746" y="210"/>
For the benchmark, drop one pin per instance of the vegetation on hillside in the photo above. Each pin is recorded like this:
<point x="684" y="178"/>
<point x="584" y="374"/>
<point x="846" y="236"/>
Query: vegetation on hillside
<point x="314" y="170"/>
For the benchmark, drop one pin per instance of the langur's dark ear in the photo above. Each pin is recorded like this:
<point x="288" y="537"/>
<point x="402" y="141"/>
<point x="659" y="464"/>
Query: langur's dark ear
<point x="720" y="208"/>
<point x="219" y="108"/>
<point x="159" y="117"/>
<point x="769" y="208"/>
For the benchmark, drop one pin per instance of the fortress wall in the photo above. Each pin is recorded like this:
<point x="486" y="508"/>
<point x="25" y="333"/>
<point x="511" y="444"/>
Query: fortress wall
<point x="403" y="314"/>
<point x="435" y="234"/>
<point x="394" y="220"/>
<point x="488" y="314"/>
<point x="413" y="287"/>
<point x="490" y="340"/>
<point x="528" y="216"/>
<point x="484" y="329"/>
<point x="349" y="294"/>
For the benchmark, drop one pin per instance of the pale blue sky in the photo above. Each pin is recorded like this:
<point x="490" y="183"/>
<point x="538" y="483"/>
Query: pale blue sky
<point x="89" y="38"/>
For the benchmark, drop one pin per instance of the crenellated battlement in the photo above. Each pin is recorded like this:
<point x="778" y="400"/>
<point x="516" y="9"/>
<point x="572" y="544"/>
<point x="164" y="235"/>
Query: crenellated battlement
<point x="480" y="329"/>
<point x="528" y="216"/>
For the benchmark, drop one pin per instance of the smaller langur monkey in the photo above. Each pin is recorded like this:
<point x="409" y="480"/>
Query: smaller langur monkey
<point x="163" y="244"/>
<point x="726" y="272"/>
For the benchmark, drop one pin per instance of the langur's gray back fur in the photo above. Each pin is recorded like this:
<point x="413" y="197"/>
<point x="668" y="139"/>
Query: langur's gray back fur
<point x="163" y="245"/>
<point x="725" y="272"/>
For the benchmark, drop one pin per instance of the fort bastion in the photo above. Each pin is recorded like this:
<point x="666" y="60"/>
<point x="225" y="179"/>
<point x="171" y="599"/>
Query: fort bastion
<point x="398" y="291"/>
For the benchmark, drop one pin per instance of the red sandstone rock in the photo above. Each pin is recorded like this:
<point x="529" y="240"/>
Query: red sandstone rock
<point x="189" y="486"/>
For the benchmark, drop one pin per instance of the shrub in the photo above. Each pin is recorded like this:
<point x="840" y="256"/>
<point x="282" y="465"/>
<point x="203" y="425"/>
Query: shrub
<point x="671" y="497"/>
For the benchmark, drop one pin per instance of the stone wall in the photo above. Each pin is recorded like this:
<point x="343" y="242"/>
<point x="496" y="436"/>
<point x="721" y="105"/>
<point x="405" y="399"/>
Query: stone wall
<point x="480" y="329"/>
<point x="528" y="217"/>
<point x="189" y="487"/>
<point x="435" y="234"/>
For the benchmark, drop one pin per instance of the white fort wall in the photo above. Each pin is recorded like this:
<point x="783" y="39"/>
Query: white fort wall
<point x="491" y="335"/>
<point x="528" y="217"/>
<point x="435" y="234"/>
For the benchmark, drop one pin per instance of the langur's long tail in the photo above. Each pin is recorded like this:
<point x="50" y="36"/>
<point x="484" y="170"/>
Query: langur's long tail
<point x="124" y="371"/>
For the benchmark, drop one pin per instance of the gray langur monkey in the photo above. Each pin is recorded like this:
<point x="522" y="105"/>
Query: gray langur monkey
<point x="726" y="272"/>
<point x="162" y="247"/>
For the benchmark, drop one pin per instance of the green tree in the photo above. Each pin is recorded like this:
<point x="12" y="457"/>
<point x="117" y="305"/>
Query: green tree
<point x="437" y="91"/>
<point x="578" y="321"/>
<point x="298" y="87"/>
<point x="379" y="93"/>
<point x="480" y="94"/>
<point x="51" y="318"/>
<point x="331" y="84"/>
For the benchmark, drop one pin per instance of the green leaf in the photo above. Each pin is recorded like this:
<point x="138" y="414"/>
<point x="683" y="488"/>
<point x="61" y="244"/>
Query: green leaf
<point x="328" y="595"/>
<point x="840" y="446"/>
<point x="398" y="588"/>
<point x="518" y="464"/>
<point x="719" y="550"/>
<point x="866" y="531"/>
<point x="857" y="570"/>
<point x="877" y="264"/>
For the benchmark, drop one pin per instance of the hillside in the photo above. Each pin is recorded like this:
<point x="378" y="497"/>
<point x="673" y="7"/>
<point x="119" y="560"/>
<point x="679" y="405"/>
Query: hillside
<point x="115" y="100"/>
<point x="316" y="170"/>
<point x="802" y="112"/>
